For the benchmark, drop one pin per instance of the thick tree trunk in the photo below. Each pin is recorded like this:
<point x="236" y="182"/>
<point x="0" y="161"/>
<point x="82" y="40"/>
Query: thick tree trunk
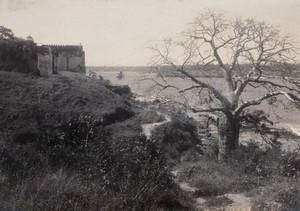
<point x="229" y="130"/>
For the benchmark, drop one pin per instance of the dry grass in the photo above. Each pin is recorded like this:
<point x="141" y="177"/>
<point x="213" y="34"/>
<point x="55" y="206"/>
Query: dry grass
<point x="269" y="176"/>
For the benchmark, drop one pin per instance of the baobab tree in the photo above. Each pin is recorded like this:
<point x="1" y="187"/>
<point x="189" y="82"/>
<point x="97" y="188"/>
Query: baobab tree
<point x="248" y="55"/>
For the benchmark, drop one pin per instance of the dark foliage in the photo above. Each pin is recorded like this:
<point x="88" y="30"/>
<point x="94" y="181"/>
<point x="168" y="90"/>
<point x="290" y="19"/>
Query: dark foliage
<point x="119" y="115"/>
<point x="129" y="173"/>
<point x="18" y="56"/>
<point x="267" y="163"/>
<point x="120" y="90"/>
<point x="260" y="121"/>
<point x="178" y="136"/>
<point x="6" y="34"/>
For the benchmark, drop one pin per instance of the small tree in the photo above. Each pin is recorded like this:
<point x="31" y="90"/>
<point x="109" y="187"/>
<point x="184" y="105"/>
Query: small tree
<point x="247" y="54"/>
<point x="6" y="33"/>
<point x="120" y="75"/>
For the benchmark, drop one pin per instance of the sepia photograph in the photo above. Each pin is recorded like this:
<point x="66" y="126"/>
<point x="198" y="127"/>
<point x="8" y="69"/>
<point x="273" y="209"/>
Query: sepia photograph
<point x="150" y="105"/>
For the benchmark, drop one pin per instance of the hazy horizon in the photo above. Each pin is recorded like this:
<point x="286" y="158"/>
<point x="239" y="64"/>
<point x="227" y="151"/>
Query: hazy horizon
<point x="119" y="32"/>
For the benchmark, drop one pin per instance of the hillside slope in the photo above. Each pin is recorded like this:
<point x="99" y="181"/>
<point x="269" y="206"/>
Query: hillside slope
<point x="28" y="103"/>
<point x="69" y="142"/>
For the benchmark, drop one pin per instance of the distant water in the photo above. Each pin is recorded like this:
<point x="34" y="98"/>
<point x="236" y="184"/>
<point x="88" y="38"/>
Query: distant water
<point x="283" y="117"/>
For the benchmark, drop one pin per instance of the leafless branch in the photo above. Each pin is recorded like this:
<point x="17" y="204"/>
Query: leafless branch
<point x="258" y="101"/>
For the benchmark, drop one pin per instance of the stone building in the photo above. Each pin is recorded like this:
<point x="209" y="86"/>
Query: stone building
<point x="20" y="55"/>
<point x="56" y="58"/>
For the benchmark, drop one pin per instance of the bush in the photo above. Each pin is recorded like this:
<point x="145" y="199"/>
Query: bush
<point x="20" y="56"/>
<point x="267" y="163"/>
<point x="144" y="177"/>
<point x="178" y="136"/>
<point x="78" y="166"/>
<point x="290" y="164"/>
<point x="120" y="114"/>
<point x="120" y="90"/>
<point x="278" y="195"/>
<point x="77" y="144"/>
<point x="262" y="163"/>
<point x="151" y="116"/>
<point x="212" y="178"/>
<point x="55" y="191"/>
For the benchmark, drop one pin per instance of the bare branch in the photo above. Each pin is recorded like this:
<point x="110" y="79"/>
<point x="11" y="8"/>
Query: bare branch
<point x="216" y="93"/>
<point x="276" y="85"/>
<point x="208" y="110"/>
<point x="258" y="101"/>
<point x="190" y="88"/>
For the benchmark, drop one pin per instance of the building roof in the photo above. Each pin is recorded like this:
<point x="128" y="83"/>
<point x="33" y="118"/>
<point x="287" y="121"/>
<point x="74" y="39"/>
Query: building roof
<point x="65" y="47"/>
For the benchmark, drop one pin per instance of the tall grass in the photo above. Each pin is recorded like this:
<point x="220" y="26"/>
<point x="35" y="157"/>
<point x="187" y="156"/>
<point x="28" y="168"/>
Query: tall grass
<point x="269" y="176"/>
<point x="68" y="172"/>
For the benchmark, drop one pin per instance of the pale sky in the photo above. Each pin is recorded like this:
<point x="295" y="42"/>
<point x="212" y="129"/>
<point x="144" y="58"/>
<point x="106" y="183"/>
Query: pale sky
<point x="119" y="32"/>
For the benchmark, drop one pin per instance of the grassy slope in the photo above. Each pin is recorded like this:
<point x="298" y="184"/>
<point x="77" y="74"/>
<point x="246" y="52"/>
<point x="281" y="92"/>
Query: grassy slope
<point x="28" y="102"/>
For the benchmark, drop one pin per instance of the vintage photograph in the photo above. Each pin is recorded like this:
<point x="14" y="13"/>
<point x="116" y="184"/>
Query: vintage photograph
<point x="150" y="105"/>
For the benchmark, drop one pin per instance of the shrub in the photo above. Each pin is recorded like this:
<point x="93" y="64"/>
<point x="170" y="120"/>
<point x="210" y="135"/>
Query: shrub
<point x="151" y="116"/>
<point x="290" y="164"/>
<point x="254" y="160"/>
<point x="267" y="163"/>
<point x="70" y="145"/>
<point x="20" y="56"/>
<point x="120" y="90"/>
<point x="143" y="176"/>
<point x="120" y="114"/>
<point x="52" y="191"/>
<point x="178" y="136"/>
<point x="212" y="178"/>
<point x="129" y="173"/>
<point x="278" y="195"/>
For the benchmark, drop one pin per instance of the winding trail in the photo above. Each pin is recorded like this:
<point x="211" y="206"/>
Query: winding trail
<point x="150" y="127"/>
<point x="295" y="130"/>
<point x="239" y="201"/>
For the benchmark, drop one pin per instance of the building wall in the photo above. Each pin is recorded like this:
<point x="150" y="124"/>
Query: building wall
<point x="76" y="64"/>
<point x="61" y="63"/>
<point x="27" y="57"/>
<point x="70" y="62"/>
<point x="68" y="58"/>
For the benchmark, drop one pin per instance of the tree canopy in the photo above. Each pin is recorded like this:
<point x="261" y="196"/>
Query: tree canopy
<point x="6" y="33"/>
<point x="249" y="55"/>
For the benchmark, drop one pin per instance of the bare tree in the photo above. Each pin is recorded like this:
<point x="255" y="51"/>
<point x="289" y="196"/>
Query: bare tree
<point x="248" y="55"/>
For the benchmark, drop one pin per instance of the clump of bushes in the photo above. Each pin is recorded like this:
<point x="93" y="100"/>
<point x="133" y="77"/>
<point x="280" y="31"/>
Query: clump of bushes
<point x="279" y="194"/>
<point x="212" y="178"/>
<point x="55" y="190"/>
<point x="78" y="166"/>
<point x="178" y="136"/>
<point x="151" y="117"/>
<point x="271" y="176"/>
<point x="120" y="114"/>
<point x="123" y="90"/>
<point x="19" y="56"/>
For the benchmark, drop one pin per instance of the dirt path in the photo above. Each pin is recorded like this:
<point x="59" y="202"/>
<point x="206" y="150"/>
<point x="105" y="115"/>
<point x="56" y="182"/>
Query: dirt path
<point x="296" y="130"/>
<point x="239" y="201"/>
<point x="148" y="128"/>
